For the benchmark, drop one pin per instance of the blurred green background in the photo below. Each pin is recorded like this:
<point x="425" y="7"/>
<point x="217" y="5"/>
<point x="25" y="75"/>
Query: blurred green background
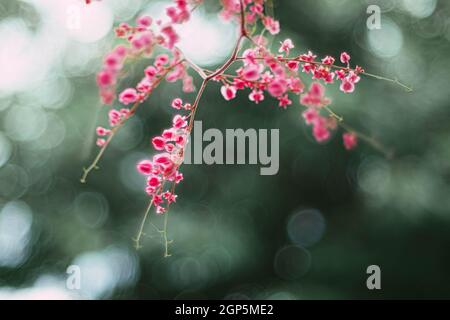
<point x="309" y="232"/>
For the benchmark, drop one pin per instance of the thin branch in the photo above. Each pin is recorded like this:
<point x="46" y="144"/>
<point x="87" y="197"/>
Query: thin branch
<point x="141" y="228"/>
<point x="298" y="59"/>
<point x="388" y="153"/>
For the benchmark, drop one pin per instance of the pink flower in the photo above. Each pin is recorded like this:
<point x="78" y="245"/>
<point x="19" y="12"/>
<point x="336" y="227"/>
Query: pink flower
<point x="284" y="101"/>
<point x="188" y="84"/>
<point x="102" y="131"/>
<point x="112" y="61"/>
<point x="157" y="200"/>
<point x="353" y="77"/>
<point x="347" y="86"/>
<point x="114" y="117"/>
<point x="271" y="25"/>
<point x="121" y="51"/>
<point x="161" y="60"/>
<point x="153" y="181"/>
<point x="256" y="96"/>
<point x="310" y="115"/>
<point x="164" y="163"/>
<point x="144" y="85"/>
<point x="178" y="177"/>
<point x="286" y="46"/>
<point x="251" y="73"/>
<point x="101" y="142"/>
<point x="293" y="65"/>
<point x="328" y="60"/>
<point x="179" y="122"/>
<point x="345" y="57"/>
<point x="160" y="210"/>
<point x="170" y="35"/>
<point x="128" y="96"/>
<point x="144" y="21"/>
<point x="321" y="133"/>
<point x="168" y="134"/>
<point x="180" y="140"/>
<point x="158" y="143"/>
<point x="228" y="92"/>
<point x="107" y="96"/>
<point x="296" y="85"/>
<point x="150" y="72"/>
<point x="315" y="97"/>
<point x="177" y="103"/>
<point x="309" y="57"/>
<point x="105" y="78"/>
<point x="162" y="159"/>
<point x="145" y="167"/>
<point x="249" y="57"/>
<point x="350" y="140"/>
<point x="277" y="87"/>
<point x="340" y="74"/>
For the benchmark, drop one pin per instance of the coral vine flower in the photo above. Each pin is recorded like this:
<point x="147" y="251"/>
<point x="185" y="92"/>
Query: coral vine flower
<point x="345" y="57"/>
<point x="128" y="96"/>
<point x="347" y="86"/>
<point x="350" y="140"/>
<point x="256" y="96"/>
<point x="251" y="73"/>
<point x="145" y="167"/>
<point x="228" y="92"/>
<point x="158" y="143"/>
<point x="286" y="46"/>
<point x="315" y="97"/>
<point x="177" y="103"/>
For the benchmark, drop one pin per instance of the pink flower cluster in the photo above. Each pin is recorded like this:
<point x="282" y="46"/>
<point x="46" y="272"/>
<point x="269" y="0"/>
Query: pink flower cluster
<point x="255" y="13"/>
<point x="141" y="41"/>
<point x="265" y="74"/>
<point x="279" y="76"/>
<point x="164" y="165"/>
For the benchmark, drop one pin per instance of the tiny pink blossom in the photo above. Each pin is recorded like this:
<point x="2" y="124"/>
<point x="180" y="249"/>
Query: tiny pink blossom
<point x="228" y="92"/>
<point x="102" y="131"/>
<point x="284" y="101"/>
<point x="286" y="46"/>
<point x="350" y="140"/>
<point x="105" y="78"/>
<point x="161" y="60"/>
<point x="177" y="103"/>
<point x="179" y="122"/>
<point x="158" y="143"/>
<point x="328" y="60"/>
<point x="153" y="181"/>
<point x="128" y="96"/>
<point x="251" y="73"/>
<point x="145" y="167"/>
<point x="277" y="87"/>
<point x="101" y="142"/>
<point x="256" y="96"/>
<point x="144" y="21"/>
<point x="160" y="210"/>
<point x="271" y="25"/>
<point x="310" y="115"/>
<point x="293" y="65"/>
<point x="150" y="72"/>
<point x="345" y="57"/>
<point x="347" y="86"/>
<point x="112" y="61"/>
<point x="321" y="133"/>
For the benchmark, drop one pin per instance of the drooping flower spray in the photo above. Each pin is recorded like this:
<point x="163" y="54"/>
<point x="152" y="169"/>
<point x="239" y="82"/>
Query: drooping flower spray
<point x="260" y="74"/>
